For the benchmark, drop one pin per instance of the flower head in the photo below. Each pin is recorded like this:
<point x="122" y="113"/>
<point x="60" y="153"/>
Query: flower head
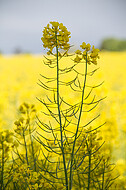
<point x="83" y="46"/>
<point x="92" y="56"/>
<point x="78" y="52"/>
<point x="77" y="59"/>
<point x="55" y="35"/>
<point x="88" y="47"/>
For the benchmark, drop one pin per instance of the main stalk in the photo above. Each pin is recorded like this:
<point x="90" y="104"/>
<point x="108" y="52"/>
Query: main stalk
<point x="59" y="113"/>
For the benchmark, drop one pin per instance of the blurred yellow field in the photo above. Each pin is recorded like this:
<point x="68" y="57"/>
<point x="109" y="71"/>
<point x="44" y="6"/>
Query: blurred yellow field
<point x="62" y="95"/>
<point x="19" y="75"/>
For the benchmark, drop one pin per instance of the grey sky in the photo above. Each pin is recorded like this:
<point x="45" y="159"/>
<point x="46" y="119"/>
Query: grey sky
<point x="22" y="21"/>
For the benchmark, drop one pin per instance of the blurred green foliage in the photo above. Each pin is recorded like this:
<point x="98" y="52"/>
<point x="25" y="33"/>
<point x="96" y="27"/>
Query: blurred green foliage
<point x="113" y="44"/>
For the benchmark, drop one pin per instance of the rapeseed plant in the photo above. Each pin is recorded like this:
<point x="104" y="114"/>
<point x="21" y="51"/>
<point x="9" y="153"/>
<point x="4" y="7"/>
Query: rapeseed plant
<point x="70" y="141"/>
<point x="25" y="157"/>
<point x="6" y="145"/>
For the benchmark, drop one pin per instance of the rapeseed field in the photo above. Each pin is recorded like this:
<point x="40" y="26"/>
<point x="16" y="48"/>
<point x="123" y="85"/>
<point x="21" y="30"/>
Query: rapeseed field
<point x="62" y="117"/>
<point x="19" y="75"/>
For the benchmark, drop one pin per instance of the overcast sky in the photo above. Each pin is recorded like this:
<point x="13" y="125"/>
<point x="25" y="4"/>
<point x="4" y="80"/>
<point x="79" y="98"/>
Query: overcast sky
<point x="22" y="21"/>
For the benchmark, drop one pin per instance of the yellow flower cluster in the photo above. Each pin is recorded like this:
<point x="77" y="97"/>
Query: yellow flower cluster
<point x="94" y="55"/>
<point x="24" y="108"/>
<point x="90" y="56"/>
<point x="84" y="46"/>
<point x="55" y="35"/>
<point x="6" y="135"/>
<point x="23" y="175"/>
<point x="6" y="142"/>
<point x="28" y="113"/>
<point x="26" y="175"/>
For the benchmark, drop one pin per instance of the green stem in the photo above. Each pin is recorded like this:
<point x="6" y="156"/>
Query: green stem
<point x="31" y="142"/>
<point x="89" y="171"/>
<point x="26" y="151"/>
<point x="2" y="172"/>
<point x="58" y="104"/>
<point x="32" y="151"/>
<point x="103" y="177"/>
<point x="72" y="154"/>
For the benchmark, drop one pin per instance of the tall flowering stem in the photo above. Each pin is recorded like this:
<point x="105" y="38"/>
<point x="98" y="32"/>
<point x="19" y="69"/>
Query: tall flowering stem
<point x="60" y="121"/>
<point x="65" y="135"/>
<point x="74" y="143"/>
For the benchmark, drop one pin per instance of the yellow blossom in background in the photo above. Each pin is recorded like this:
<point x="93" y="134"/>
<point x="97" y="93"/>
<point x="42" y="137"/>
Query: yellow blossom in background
<point x="121" y="166"/>
<point x="77" y="59"/>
